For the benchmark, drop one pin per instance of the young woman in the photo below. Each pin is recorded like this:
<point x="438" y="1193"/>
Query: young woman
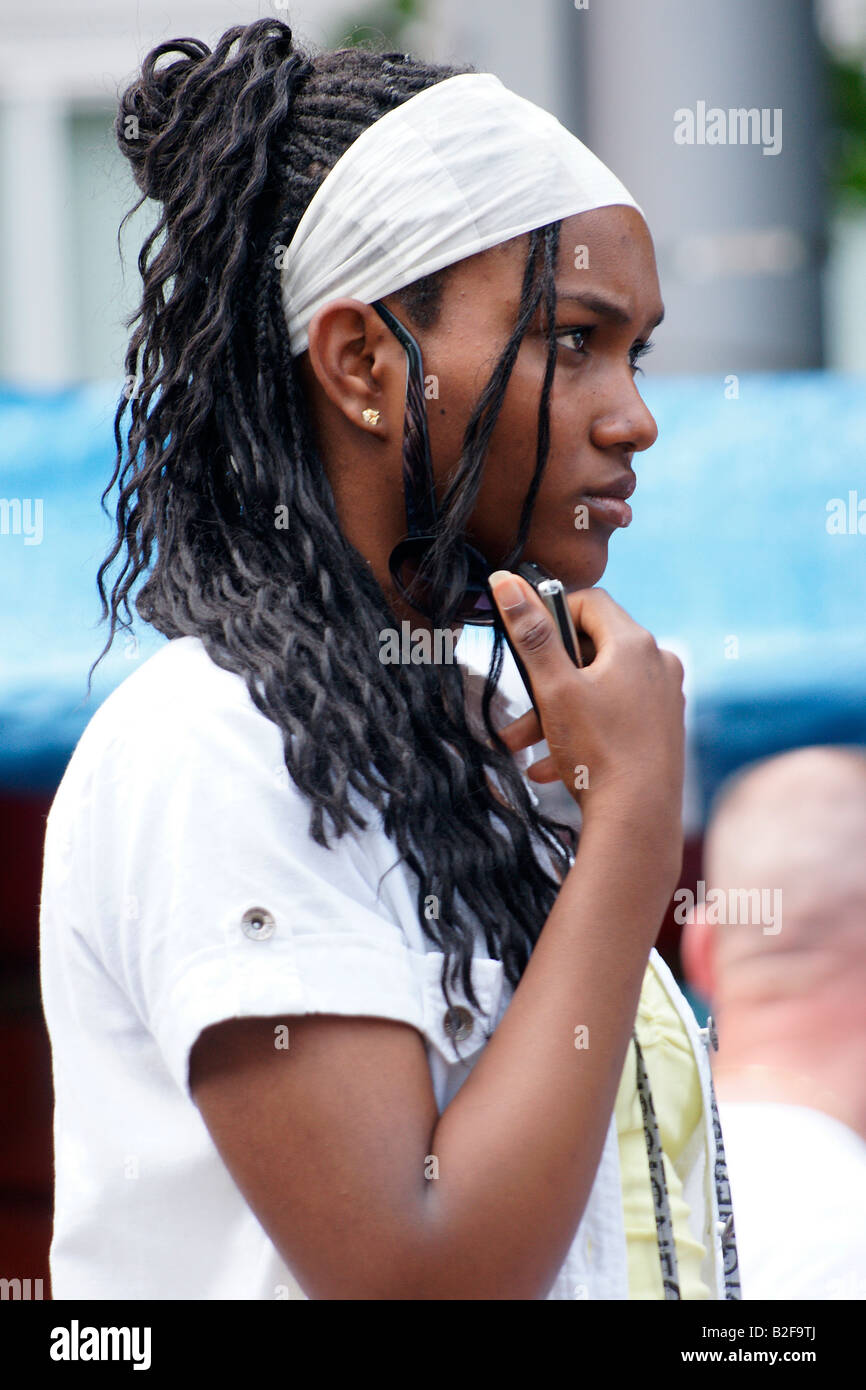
<point x="337" y="1011"/>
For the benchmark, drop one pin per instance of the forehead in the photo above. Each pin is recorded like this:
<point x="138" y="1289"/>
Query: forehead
<point x="605" y="248"/>
<point x="610" y="236"/>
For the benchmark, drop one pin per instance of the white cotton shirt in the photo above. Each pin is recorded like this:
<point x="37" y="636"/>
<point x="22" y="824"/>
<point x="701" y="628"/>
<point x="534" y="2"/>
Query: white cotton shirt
<point x="175" y="821"/>
<point x="798" y="1187"/>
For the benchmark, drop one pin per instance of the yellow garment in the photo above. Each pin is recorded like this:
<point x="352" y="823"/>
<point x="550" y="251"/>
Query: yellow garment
<point x="676" y="1093"/>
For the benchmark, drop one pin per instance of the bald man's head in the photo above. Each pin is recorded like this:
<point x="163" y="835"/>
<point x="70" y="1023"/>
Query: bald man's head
<point x="794" y="824"/>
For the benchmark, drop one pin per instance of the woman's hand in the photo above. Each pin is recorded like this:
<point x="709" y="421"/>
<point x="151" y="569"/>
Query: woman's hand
<point x="615" y="729"/>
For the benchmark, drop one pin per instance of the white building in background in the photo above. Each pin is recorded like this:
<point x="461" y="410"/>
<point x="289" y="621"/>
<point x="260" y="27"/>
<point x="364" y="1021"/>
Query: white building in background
<point x="64" y="187"/>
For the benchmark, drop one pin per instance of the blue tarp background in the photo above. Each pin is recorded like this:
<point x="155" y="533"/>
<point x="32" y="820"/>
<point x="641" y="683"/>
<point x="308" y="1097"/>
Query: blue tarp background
<point x="729" y="539"/>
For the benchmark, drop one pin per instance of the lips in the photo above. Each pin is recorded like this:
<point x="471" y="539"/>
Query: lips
<point x="608" y="503"/>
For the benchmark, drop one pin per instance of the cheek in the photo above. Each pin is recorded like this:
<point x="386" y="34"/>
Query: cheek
<point x="450" y="400"/>
<point x="558" y="537"/>
<point x="576" y="555"/>
<point x="511" y="461"/>
<point x="508" y="467"/>
<point x="508" y="470"/>
<point x="513" y="457"/>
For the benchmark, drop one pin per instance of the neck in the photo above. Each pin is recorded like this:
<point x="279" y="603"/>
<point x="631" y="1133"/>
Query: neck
<point x="799" y="1050"/>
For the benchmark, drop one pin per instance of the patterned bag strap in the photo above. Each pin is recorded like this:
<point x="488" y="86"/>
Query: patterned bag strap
<point x="723" y="1186"/>
<point x="664" y="1225"/>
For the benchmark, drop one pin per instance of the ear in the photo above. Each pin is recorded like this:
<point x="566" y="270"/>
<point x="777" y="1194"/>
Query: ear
<point x="697" y="953"/>
<point x="358" y="363"/>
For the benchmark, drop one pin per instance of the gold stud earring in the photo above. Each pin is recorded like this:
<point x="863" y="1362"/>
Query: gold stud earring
<point x="371" y="416"/>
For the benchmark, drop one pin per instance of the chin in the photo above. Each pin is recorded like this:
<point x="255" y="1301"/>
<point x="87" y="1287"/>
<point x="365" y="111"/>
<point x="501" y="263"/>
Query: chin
<point x="577" y="558"/>
<point x="580" y="567"/>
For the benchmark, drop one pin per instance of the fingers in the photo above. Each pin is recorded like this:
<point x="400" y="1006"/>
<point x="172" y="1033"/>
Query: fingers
<point x="600" y="616"/>
<point x="543" y="770"/>
<point x="522" y="732"/>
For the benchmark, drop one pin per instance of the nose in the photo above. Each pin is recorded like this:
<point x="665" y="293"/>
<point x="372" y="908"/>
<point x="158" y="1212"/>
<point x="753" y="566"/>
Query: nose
<point x="628" y="423"/>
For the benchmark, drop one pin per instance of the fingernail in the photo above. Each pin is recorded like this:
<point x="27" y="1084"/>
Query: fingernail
<point x="506" y="590"/>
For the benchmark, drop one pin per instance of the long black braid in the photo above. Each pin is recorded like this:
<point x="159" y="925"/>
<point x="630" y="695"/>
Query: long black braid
<point x="234" y="143"/>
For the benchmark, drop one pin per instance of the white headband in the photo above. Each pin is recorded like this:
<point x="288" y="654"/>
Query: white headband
<point x="459" y="167"/>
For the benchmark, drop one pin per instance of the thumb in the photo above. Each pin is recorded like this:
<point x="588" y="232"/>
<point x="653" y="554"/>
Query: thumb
<point x="530" y="627"/>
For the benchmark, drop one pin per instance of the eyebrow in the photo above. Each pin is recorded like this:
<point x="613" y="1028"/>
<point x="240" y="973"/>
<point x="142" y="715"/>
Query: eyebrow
<point x="605" y="308"/>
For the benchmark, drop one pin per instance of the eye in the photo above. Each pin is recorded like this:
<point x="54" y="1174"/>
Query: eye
<point x="640" y="350"/>
<point x="578" y="338"/>
<point x="573" y="333"/>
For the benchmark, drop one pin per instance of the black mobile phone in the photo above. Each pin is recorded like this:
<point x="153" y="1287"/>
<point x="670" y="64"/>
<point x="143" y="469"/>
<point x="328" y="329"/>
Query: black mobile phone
<point x="552" y="593"/>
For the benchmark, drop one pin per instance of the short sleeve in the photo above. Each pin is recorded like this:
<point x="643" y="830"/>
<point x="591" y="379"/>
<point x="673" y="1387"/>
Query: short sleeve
<point x="213" y="900"/>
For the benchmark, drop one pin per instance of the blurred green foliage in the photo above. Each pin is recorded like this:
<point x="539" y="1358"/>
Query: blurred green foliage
<point x="380" y="25"/>
<point x="847" y="94"/>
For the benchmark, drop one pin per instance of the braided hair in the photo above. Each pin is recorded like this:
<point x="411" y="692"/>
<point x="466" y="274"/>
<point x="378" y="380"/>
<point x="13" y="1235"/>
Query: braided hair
<point x="233" y="143"/>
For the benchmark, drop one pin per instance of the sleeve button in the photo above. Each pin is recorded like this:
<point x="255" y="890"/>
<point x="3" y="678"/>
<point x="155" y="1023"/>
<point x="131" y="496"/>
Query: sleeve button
<point x="458" y="1023"/>
<point x="258" y="924"/>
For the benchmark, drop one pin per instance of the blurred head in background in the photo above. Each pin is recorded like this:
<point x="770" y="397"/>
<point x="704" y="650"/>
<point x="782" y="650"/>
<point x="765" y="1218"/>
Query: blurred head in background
<point x="788" y="1002"/>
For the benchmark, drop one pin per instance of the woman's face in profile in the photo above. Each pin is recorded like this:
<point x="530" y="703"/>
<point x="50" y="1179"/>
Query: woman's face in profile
<point x="598" y="420"/>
